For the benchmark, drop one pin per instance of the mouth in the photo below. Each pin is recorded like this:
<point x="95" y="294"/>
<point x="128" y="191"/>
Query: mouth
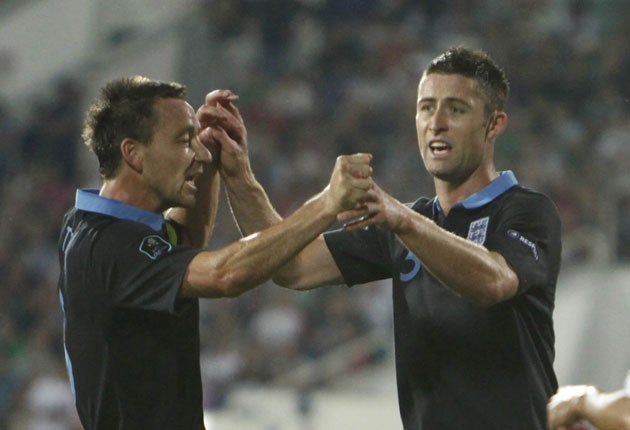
<point x="189" y="180"/>
<point x="439" y="147"/>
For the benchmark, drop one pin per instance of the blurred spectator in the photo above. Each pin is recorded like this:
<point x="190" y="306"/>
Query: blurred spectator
<point x="276" y="329"/>
<point x="222" y="356"/>
<point x="49" y="404"/>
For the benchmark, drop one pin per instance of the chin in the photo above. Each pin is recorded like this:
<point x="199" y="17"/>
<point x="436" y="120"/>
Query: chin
<point x="185" y="202"/>
<point x="440" y="174"/>
<point x="188" y="203"/>
<point x="455" y="178"/>
<point x="188" y="197"/>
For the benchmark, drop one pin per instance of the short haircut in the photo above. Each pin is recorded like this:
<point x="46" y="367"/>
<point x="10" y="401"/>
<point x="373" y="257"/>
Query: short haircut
<point x="124" y="109"/>
<point x="475" y="64"/>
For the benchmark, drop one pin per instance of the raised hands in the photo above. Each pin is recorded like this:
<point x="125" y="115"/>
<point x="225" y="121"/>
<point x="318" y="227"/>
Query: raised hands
<point x="378" y="208"/>
<point x="350" y="192"/>
<point x="350" y="184"/>
<point x="223" y="131"/>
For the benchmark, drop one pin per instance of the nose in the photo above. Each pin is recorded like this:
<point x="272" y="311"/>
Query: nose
<point x="438" y="121"/>
<point x="201" y="153"/>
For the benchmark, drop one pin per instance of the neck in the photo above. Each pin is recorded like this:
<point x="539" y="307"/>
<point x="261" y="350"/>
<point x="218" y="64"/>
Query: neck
<point x="449" y="193"/>
<point x="129" y="191"/>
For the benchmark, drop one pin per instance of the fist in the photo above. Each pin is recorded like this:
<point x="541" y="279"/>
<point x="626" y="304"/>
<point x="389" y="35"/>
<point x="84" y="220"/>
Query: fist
<point x="351" y="181"/>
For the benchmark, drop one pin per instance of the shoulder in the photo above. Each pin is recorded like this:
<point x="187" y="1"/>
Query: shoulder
<point x="527" y="206"/>
<point x="104" y="231"/>
<point x="523" y="192"/>
<point x="530" y="199"/>
<point x="113" y="226"/>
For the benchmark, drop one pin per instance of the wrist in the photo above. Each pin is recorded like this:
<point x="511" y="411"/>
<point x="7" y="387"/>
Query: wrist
<point x="329" y="206"/>
<point x="242" y="178"/>
<point x="404" y="220"/>
<point x="586" y="400"/>
<point x="324" y="204"/>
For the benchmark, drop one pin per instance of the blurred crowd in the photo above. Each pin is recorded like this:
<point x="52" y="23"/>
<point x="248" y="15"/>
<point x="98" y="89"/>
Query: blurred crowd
<point x="317" y="78"/>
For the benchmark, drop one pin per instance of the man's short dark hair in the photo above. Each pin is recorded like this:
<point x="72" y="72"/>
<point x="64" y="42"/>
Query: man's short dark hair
<point x="124" y="109"/>
<point x="475" y="64"/>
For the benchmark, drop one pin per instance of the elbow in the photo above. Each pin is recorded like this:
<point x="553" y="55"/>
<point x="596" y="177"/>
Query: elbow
<point x="286" y="282"/>
<point x="282" y="281"/>
<point x="208" y="277"/>
<point x="485" y="300"/>
<point x="286" y="277"/>
<point x="230" y="285"/>
<point x="497" y="290"/>
<point x="292" y="281"/>
<point x="498" y="283"/>
<point x="225" y="285"/>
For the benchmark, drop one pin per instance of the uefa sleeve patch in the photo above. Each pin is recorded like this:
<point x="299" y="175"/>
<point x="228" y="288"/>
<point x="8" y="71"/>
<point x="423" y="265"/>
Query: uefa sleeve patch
<point x="531" y="245"/>
<point x="154" y="246"/>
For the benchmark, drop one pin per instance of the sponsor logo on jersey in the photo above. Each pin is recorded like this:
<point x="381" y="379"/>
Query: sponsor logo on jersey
<point x="153" y="246"/>
<point x="477" y="230"/>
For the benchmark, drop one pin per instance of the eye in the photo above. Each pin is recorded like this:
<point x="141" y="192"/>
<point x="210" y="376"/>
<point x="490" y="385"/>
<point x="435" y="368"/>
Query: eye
<point x="185" y="139"/>
<point x="425" y="107"/>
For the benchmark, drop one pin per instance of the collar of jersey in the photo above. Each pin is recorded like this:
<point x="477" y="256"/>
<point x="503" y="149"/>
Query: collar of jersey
<point x="494" y="189"/>
<point x="89" y="200"/>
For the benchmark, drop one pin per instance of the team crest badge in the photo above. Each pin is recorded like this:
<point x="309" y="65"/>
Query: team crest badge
<point x="153" y="246"/>
<point x="477" y="230"/>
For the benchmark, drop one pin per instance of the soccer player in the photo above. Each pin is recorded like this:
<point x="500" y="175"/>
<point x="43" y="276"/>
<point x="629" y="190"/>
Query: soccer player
<point x="131" y="276"/>
<point x="474" y="268"/>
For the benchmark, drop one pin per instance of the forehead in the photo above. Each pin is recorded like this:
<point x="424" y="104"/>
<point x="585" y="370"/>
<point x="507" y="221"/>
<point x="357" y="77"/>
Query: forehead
<point x="174" y="111"/>
<point x="448" y="86"/>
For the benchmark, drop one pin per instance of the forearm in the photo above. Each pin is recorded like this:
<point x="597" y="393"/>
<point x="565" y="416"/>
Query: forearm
<point x="199" y="220"/>
<point x="607" y="411"/>
<point x="466" y="268"/>
<point x="312" y="267"/>
<point x="252" y="260"/>
<point x="250" y="204"/>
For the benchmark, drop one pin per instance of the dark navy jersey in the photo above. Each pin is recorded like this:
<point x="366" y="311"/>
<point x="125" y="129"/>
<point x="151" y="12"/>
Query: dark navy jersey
<point x="132" y="345"/>
<point x="459" y="365"/>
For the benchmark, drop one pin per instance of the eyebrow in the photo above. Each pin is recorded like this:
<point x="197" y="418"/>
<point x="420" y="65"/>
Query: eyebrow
<point x="188" y="130"/>
<point x="447" y="99"/>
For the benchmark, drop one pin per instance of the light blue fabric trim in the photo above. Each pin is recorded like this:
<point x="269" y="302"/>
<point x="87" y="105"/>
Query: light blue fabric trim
<point x="494" y="189"/>
<point x="89" y="200"/>
<point x="67" y="356"/>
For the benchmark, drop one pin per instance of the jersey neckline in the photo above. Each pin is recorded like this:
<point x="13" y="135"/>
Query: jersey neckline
<point x="494" y="189"/>
<point x="89" y="200"/>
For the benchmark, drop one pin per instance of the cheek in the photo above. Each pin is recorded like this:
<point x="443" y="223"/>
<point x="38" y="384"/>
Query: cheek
<point x="420" y="129"/>
<point x="174" y="160"/>
<point x="419" y="123"/>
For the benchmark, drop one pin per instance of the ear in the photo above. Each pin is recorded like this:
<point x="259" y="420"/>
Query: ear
<point x="132" y="154"/>
<point x="497" y="124"/>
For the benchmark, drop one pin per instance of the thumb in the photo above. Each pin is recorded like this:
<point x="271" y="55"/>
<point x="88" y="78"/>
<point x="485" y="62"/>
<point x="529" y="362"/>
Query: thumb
<point x="227" y="143"/>
<point x="206" y="136"/>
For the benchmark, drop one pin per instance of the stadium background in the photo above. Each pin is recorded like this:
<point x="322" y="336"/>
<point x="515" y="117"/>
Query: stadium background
<point x="316" y="78"/>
